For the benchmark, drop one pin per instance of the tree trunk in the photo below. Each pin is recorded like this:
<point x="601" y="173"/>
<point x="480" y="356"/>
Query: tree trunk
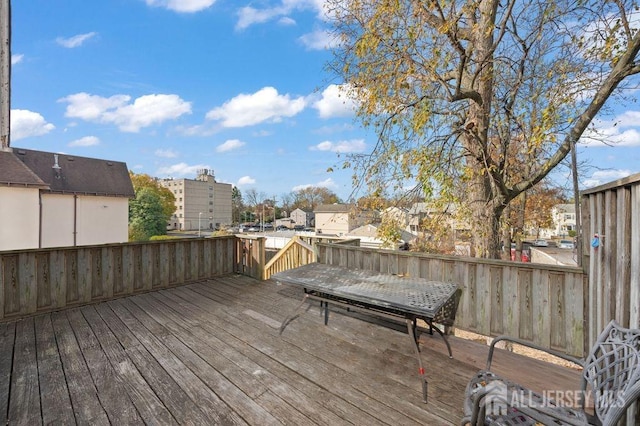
<point x="485" y="204"/>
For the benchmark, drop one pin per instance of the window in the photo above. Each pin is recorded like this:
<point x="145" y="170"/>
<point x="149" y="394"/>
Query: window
<point x="210" y="203"/>
<point x="210" y="210"/>
<point x="180" y="199"/>
<point x="181" y="191"/>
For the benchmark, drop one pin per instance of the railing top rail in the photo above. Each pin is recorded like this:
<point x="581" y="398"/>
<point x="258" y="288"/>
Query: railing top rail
<point x="497" y="262"/>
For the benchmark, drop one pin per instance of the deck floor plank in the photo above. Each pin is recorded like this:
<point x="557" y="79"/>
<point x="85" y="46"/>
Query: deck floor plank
<point x="87" y="407"/>
<point x="24" y="401"/>
<point x="54" y="393"/>
<point x="177" y="401"/>
<point x="246" y="407"/>
<point x="393" y="354"/>
<point x="112" y="395"/>
<point x="240" y="360"/>
<point x="318" y="367"/>
<point x="346" y="351"/>
<point x="149" y="406"/>
<point x="7" y="339"/>
<point x="152" y="335"/>
<point x="210" y="353"/>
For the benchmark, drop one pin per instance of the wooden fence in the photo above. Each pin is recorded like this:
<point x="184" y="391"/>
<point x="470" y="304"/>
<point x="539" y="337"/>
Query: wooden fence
<point x="250" y="256"/>
<point x="612" y="212"/>
<point x="34" y="281"/>
<point x="539" y="303"/>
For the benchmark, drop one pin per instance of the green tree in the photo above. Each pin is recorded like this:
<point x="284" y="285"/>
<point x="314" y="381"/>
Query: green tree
<point x="463" y="93"/>
<point x="167" y="198"/>
<point x="236" y="204"/>
<point x="311" y="197"/>
<point x="146" y="216"/>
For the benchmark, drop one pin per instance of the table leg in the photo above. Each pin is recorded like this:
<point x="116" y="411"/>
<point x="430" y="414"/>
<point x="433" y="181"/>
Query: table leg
<point x="411" y="326"/>
<point x="444" y="337"/>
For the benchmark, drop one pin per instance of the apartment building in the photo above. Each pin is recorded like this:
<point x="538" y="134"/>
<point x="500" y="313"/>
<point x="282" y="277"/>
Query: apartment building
<point x="201" y="203"/>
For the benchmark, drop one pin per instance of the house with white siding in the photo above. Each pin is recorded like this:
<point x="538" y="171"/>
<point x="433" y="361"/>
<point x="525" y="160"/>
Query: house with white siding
<point x="61" y="200"/>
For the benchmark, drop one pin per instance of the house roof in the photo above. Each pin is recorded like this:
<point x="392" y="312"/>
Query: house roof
<point x="14" y="172"/>
<point x="565" y="208"/>
<point x="371" y="230"/>
<point x="334" y="208"/>
<point x="70" y="174"/>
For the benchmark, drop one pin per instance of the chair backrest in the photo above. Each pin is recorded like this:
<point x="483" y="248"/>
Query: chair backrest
<point x="612" y="369"/>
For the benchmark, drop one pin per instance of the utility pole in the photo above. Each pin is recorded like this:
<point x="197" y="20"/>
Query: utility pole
<point x="5" y="73"/>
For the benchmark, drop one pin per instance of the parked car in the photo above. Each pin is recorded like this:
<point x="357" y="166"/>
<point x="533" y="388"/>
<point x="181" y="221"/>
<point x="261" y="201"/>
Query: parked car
<point x="541" y="243"/>
<point x="566" y="244"/>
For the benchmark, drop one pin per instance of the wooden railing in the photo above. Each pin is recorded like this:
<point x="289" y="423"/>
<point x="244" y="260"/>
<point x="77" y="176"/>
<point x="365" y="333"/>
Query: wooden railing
<point x="295" y="253"/>
<point x="34" y="281"/>
<point x="543" y="304"/>
<point x="250" y="256"/>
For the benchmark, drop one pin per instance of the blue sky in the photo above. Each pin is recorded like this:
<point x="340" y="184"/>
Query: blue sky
<point x="239" y="87"/>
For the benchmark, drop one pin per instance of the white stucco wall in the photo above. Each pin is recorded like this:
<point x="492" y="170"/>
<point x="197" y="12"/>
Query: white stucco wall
<point x="57" y="220"/>
<point x="102" y="220"/>
<point x="19" y="218"/>
<point x="99" y="220"/>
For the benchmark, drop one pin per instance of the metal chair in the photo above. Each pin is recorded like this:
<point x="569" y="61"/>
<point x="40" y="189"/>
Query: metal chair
<point x="611" y="373"/>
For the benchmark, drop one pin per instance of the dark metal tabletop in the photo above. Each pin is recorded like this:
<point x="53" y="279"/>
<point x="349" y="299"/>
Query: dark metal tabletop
<point x="417" y="296"/>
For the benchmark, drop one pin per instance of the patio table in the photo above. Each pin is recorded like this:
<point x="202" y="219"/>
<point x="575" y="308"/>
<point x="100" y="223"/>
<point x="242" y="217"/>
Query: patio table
<point x="384" y="295"/>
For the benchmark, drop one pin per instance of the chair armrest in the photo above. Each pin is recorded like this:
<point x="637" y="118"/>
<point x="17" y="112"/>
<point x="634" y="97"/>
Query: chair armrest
<point x="532" y="346"/>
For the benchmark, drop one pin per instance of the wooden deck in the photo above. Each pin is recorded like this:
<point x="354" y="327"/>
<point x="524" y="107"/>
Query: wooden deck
<point x="210" y="353"/>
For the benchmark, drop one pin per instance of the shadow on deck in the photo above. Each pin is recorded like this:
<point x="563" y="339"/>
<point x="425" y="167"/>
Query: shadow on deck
<point x="210" y="353"/>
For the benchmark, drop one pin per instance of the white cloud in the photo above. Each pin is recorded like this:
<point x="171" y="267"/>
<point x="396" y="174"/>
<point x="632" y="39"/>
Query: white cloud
<point x="26" y="123"/>
<point x="246" y="180"/>
<point x="601" y="177"/>
<point x="327" y="183"/>
<point x="286" y="21"/>
<point x="342" y="147"/>
<point x="266" y="105"/>
<point x="319" y="40"/>
<point x="166" y="153"/>
<point x="75" y="41"/>
<point x="335" y="102"/>
<point x="230" y="145"/>
<point x="183" y="6"/>
<point x="623" y="130"/>
<point x="85" y="141"/>
<point x="248" y="15"/>
<point x="181" y="169"/>
<point x="16" y="59"/>
<point x="129" y="117"/>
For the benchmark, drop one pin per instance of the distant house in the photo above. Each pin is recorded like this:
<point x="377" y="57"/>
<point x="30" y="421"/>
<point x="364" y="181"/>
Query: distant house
<point x="398" y="215"/>
<point x="368" y="235"/>
<point x="59" y="200"/>
<point x="416" y="215"/>
<point x="564" y="219"/>
<point x="302" y="217"/>
<point x="340" y="219"/>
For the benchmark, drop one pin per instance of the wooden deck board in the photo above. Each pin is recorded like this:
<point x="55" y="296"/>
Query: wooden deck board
<point x="54" y="394"/>
<point x="210" y="353"/>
